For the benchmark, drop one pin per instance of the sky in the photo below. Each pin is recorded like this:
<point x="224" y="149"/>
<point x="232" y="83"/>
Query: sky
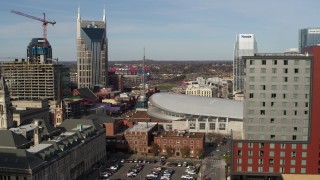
<point x="167" y="29"/>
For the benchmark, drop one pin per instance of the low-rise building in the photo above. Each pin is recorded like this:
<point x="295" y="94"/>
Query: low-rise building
<point x="140" y="136"/>
<point x="182" y="143"/>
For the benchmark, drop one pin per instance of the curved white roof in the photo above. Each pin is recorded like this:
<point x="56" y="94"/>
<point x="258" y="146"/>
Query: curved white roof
<point x="197" y="105"/>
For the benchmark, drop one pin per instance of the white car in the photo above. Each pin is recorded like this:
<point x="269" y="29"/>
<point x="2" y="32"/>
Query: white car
<point x="186" y="177"/>
<point x="192" y="172"/>
<point x="131" y="174"/>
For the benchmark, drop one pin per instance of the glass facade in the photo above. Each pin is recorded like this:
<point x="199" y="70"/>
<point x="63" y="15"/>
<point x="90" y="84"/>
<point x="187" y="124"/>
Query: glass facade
<point x="245" y="45"/>
<point x="308" y="37"/>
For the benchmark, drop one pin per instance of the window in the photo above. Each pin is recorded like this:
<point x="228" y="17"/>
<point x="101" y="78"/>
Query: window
<point x="281" y="170"/>
<point x="292" y="170"/>
<point x="274" y="70"/>
<point x="285" y="62"/>
<point x="296" y="62"/>
<point x="284" y="112"/>
<point x="239" y="160"/>
<point x="282" y="154"/>
<point x="250" y="95"/>
<point x="250" y="145"/>
<point x="263" y="104"/>
<point x="303" y="162"/>
<point x="272" y="120"/>
<point x="239" y="145"/>
<point x="263" y="62"/>
<point x="296" y="79"/>
<point x="304" y="146"/>
<point x="272" y="136"/>
<point x="282" y="146"/>
<point x="261" y="145"/>
<point x="293" y="162"/>
<point x="282" y="161"/>
<point x="274" y="62"/>
<point x="263" y="70"/>
<point x="271" y="169"/>
<point x="261" y="153"/>
<point x="304" y="154"/>
<point x="202" y="126"/>
<point x="249" y="168"/>
<point x="271" y="153"/>
<point x="262" y="112"/>
<point x="294" y="137"/>
<point x="293" y="154"/>
<point x="262" y="95"/>
<point x="284" y="87"/>
<point x="251" y="78"/>
<point x="271" y="161"/>
<point x="251" y="62"/>
<point x="285" y="79"/>
<point x="285" y="70"/>
<point x="296" y="70"/>
<point x="250" y="153"/>
<point x="273" y="79"/>
<point x="251" y="87"/>
<point x="284" y="96"/>
<point x="271" y="145"/>
<point x="212" y="126"/>
<point x="303" y="171"/>
<point x="260" y="169"/>
<point x="239" y="168"/>
<point x="262" y="79"/>
<point x="260" y="161"/>
<point x="273" y="95"/>
<point x="274" y="87"/>
<point x="252" y="70"/>
<point x="249" y="161"/>
<point x="263" y="87"/>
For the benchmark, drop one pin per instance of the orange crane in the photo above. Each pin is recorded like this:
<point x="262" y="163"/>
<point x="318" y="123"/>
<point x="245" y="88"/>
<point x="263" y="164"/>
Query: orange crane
<point x="44" y="24"/>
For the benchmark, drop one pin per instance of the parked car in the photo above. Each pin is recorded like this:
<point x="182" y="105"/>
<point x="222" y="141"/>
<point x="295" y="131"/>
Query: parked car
<point x="131" y="174"/>
<point x="184" y="164"/>
<point x="179" y="164"/>
<point x="186" y="177"/>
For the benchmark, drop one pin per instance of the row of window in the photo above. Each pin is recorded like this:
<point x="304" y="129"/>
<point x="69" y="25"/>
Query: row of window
<point x="271" y="161"/>
<point x="281" y="121"/>
<point x="271" y="169"/>
<point x="275" y="62"/>
<point x="278" y="104"/>
<point x="177" y="141"/>
<point x="272" y="145"/>
<point x="284" y="70"/>
<point x="271" y="153"/>
<point x="273" y="137"/>
<point x="212" y="126"/>
<point x="276" y="129"/>
<point x="280" y="87"/>
<point x="276" y="79"/>
<point x="279" y="112"/>
<point x="284" y="95"/>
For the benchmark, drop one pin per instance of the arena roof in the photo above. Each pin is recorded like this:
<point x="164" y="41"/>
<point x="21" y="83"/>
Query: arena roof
<point x="197" y="105"/>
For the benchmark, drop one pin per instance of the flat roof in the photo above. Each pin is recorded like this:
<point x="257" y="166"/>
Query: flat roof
<point x="181" y="134"/>
<point x="198" y="105"/>
<point x="141" y="127"/>
<point x="300" y="176"/>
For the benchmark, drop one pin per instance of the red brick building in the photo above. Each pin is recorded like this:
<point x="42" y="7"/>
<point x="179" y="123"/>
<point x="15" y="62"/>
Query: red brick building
<point x="179" y="140"/>
<point x="140" y="136"/>
<point x="262" y="159"/>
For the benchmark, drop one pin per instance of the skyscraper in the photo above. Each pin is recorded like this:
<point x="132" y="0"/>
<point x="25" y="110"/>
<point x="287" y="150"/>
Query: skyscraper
<point x="308" y="37"/>
<point x="281" y="116"/>
<point x="92" y="52"/>
<point x="246" y="45"/>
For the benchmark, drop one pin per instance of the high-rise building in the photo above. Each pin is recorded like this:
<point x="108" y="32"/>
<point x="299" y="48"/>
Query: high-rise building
<point x="37" y="53"/>
<point x="6" y="115"/>
<point x="31" y="80"/>
<point x="281" y="116"/>
<point x="245" y="45"/>
<point x="308" y="37"/>
<point x="92" y="52"/>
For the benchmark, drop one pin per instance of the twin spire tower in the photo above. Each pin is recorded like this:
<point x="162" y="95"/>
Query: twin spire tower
<point x="92" y="52"/>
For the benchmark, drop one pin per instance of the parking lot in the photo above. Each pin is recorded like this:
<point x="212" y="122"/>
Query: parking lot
<point x="148" y="167"/>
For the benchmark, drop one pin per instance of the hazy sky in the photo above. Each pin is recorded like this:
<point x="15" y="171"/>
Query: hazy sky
<point x="168" y="29"/>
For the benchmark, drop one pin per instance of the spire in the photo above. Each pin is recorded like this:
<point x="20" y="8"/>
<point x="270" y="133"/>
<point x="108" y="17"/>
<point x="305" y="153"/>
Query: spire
<point x="79" y="17"/>
<point x="104" y="14"/>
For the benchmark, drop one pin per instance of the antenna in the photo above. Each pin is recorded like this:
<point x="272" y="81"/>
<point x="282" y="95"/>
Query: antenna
<point x="143" y="70"/>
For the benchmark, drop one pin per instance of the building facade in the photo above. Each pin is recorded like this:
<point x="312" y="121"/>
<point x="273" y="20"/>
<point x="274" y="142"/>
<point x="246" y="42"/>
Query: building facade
<point x="308" y="37"/>
<point x="280" y="117"/>
<point x="92" y="53"/>
<point x="193" y="143"/>
<point x="140" y="136"/>
<point x="245" y="45"/>
<point x="29" y="81"/>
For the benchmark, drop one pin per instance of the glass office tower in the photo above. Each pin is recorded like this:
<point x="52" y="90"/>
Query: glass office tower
<point x="246" y="45"/>
<point x="308" y="37"/>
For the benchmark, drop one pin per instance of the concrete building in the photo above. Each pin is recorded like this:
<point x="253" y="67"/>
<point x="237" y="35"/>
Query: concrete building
<point x="6" y="117"/>
<point x="92" y="52"/>
<point x="245" y="45"/>
<point x="308" y="37"/>
<point x="197" y="114"/>
<point x="280" y="117"/>
<point x="180" y="140"/>
<point x="29" y="81"/>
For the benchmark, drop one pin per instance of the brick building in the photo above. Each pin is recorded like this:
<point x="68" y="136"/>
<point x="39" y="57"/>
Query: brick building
<point x="281" y="102"/>
<point x="140" y="136"/>
<point x="179" y="140"/>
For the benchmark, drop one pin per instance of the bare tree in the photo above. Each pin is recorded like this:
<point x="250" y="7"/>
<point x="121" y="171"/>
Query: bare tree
<point x="185" y="151"/>
<point x="170" y="151"/>
<point x="199" y="152"/>
<point x="155" y="149"/>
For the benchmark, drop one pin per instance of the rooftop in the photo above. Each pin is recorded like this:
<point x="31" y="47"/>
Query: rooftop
<point x="142" y="127"/>
<point x="181" y="134"/>
<point x="300" y="176"/>
<point x="196" y="105"/>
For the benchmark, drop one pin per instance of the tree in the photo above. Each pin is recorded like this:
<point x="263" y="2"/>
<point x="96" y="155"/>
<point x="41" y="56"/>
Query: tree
<point x="199" y="152"/>
<point x="155" y="149"/>
<point x="218" y="138"/>
<point x="185" y="151"/>
<point x="170" y="151"/>
<point x="210" y="136"/>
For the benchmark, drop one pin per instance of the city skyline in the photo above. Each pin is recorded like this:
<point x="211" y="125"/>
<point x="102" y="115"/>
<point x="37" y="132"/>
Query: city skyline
<point x="169" y="30"/>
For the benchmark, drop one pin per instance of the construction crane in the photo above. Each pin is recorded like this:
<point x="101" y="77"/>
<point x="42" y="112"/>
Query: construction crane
<point x="44" y="24"/>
